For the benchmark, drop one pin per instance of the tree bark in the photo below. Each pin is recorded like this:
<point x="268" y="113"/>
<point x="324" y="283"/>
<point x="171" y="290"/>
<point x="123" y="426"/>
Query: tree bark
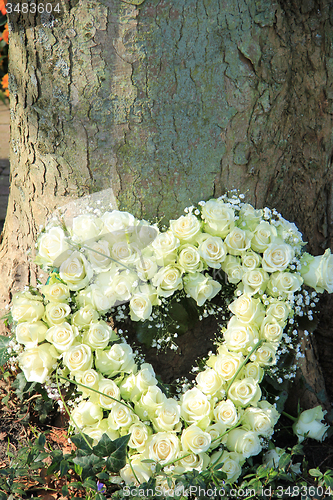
<point x="167" y="103"/>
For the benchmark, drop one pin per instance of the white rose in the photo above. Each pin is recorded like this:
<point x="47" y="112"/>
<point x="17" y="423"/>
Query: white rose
<point x="216" y="431"/>
<point x="226" y="363"/>
<point x="145" y="377"/>
<point x="52" y="247"/>
<point x="195" y="439"/>
<point x="249" y="217"/>
<point x="189" y="259"/>
<point x="78" y="358"/>
<point x="55" y="292"/>
<point x="212" y="250"/>
<point x="248" y="309"/>
<point x="135" y="472"/>
<point x="124" y="252"/>
<point x="56" y="312"/>
<point x="27" y="307"/>
<point x="96" y="297"/>
<point x="121" y="417"/>
<point x="250" y="260"/>
<point x="140" y="307"/>
<point x="30" y="334"/>
<point x="123" y="286"/>
<point x="238" y="241"/>
<point x="209" y="382"/>
<point x="289" y="233"/>
<point x="62" y="336"/>
<point x="86" y="413"/>
<point x="263" y="235"/>
<point x="255" y="281"/>
<point x="109" y="388"/>
<point x="119" y="358"/>
<point x="271" y="329"/>
<point x="254" y="371"/>
<point x="189" y="462"/>
<point x="277" y="257"/>
<point x="284" y="283"/>
<point x="233" y="269"/>
<point x="84" y="316"/>
<point x="195" y="406"/>
<point x="96" y="431"/>
<point x="167" y="416"/>
<point x="244" y="392"/>
<point x="260" y="420"/>
<point x="244" y="442"/>
<point x="117" y="224"/>
<point x="150" y="402"/>
<point x="200" y="287"/>
<point x="86" y="227"/>
<point x="37" y="363"/>
<point x="98" y="335"/>
<point x="265" y="355"/>
<point x="225" y="413"/>
<point x="240" y="336"/>
<point x="163" y="447"/>
<point x="231" y="466"/>
<point x="75" y="271"/>
<point x="317" y="272"/>
<point x="168" y="280"/>
<point x="165" y="246"/>
<point x="146" y="267"/>
<point x="143" y="234"/>
<point x="219" y="218"/>
<point x="98" y="254"/>
<point x="309" y="425"/>
<point x="279" y="310"/>
<point x="90" y="379"/>
<point x="186" y="228"/>
<point x="139" y="435"/>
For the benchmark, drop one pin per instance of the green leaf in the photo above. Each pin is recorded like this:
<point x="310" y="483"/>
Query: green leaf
<point x="117" y="458"/>
<point x="4" y="354"/>
<point x="144" y="334"/>
<point x="284" y="460"/>
<point x="89" y="464"/>
<point x="81" y="443"/>
<point x="315" y="473"/>
<point x="3" y="496"/>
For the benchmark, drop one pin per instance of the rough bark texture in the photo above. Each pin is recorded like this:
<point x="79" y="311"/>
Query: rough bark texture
<point x="170" y="102"/>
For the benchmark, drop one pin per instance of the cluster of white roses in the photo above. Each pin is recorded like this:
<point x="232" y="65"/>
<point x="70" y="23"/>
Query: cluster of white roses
<point x="110" y="259"/>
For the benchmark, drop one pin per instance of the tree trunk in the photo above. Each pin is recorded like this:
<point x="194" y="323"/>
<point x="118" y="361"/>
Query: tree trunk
<point x="167" y="103"/>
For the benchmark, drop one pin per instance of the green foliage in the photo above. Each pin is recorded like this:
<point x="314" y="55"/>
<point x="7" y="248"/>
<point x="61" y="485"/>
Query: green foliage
<point x="4" y="355"/>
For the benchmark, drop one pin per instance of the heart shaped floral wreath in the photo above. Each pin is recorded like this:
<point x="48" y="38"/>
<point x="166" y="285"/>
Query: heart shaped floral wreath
<point x="109" y="264"/>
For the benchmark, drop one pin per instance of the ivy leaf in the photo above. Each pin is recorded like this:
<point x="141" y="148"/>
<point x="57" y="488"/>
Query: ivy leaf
<point x="105" y="447"/>
<point x="117" y="458"/>
<point x="89" y="464"/>
<point x="81" y="443"/>
<point x="4" y="354"/>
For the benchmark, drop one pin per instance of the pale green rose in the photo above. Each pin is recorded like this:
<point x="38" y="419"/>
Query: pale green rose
<point x="137" y="471"/>
<point x="84" y="316"/>
<point x="219" y="218"/>
<point x="30" y="334"/>
<point x="225" y="363"/>
<point x="240" y="336"/>
<point x="260" y="420"/>
<point x="139" y="436"/>
<point x="190" y="462"/>
<point x="86" y="227"/>
<point x="189" y="259"/>
<point x="167" y="416"/>
<point x="98" y="254"/>
<point x="56" y="313"/>
<point x="38" y="362"/>
<point x="249" y="217"/>
<point x="271" y="329"/>
<point x="186" y="228"/>
<point x="162" y="447"/>
<point x="168" y="280"/>
<point x="309" y="424"/>
<point x="121" y="417"/>
<point x="248" y="309"/>
<point x="109" y="388"/>
<point x="52" y="247"/>
<point x="78" y="358"/>
<point x="284" y="283"/>
<point x="89" y="378"/>
<point x="165" y="248"/>
<point x="212" y="250"/>
<point x="27" y="307"/>
<point x="317" y="272"/>
<point x="75" y="271"/>
<point x="231" y="464"/>
<point x="195" y="407"/>
<point x="97" y="430"/>
<point x="118" y="358"/>
<point x="255" y="281"/>
<point x="201" y="288"/>
<point x="238" y="241"/>
<point x="195" y="439"/>
<point x="86" y="413"/>
<point x="263" y="235"/>
<point x="98" y="335"/>
<point x="233" y="268"/>
<point x="56" y="291"/>
<point x="62" y="336"/>
<point x="209" y="382"/>
<point x="277" y="257"/>
<point x="279" y="310"/>
<point x="244" y="442"/>
<point x="265" y="355"/>
<point x="244" y="392"/>
<point x="250" y="260"/>
<point x="252" y="370"/>
<point x="225" y="413"/>
<point x="150" y="402"/>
